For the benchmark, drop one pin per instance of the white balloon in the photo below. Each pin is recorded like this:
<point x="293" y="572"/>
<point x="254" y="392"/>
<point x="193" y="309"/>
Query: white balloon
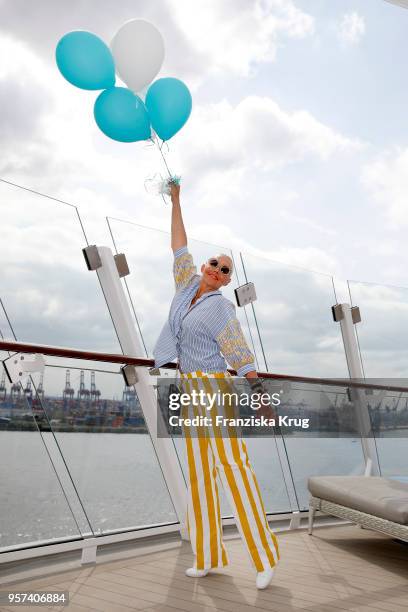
<point x="138" y="51"/>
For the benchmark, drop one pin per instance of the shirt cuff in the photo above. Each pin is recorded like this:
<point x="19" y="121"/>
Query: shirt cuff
<point x="180" y="251"/>
<point x="248" y="367"/>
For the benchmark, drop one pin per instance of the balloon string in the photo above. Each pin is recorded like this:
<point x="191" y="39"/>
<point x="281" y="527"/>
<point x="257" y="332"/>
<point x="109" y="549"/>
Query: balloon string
<point x="164" y="159"/>
<point x="160" y="147"/>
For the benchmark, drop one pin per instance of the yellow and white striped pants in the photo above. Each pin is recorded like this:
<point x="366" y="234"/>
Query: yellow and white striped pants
<point x="211" y="454"/>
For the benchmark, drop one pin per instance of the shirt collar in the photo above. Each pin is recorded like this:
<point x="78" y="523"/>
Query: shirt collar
<point x="207" y="294"/>
<point x="203" y="297"/>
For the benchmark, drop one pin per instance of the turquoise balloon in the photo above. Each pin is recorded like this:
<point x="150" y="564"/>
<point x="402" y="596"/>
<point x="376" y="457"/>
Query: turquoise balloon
<point x="85" y="61"/>
<point x="168" y="102"/>
<point x="121" y="115"/>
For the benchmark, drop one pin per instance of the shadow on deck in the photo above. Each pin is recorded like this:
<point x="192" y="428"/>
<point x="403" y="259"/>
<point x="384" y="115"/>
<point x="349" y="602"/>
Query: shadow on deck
<point x="338" y="568"/>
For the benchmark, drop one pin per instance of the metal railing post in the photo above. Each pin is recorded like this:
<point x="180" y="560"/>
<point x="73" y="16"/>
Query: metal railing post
<point x="347" y="316"/>
<point x="109" y="272"/>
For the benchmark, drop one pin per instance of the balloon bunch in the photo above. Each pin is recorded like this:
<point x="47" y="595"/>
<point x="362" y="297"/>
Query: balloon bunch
<point x="137" y="54"/>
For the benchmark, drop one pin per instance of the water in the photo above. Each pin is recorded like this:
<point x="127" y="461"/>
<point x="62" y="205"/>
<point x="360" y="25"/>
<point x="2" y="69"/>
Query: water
<point x="120" y="485"/>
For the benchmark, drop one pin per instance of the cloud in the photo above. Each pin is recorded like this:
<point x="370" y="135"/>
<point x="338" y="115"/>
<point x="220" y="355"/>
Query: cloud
<point x="62" y="152"/>
<point x="231" y="157"/>
<point x="236" y="35"/>
<point x="52" y="141"/>
<point x="308" y="258"/>
<point x="19" y="112"/>
<point x="56" y="144"/>
<point x="235" y="151"/>
<point x="258" y="133"/>
<point x="42" y="23"/>
<point x="309" y="223"/>
<point x="351" y="29"/>
<point x="24" y="96"/>
<point x="201" y="38"/>
<point x="386" y="180"/>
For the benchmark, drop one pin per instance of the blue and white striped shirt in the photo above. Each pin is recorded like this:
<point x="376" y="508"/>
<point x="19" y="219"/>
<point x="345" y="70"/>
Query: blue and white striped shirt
<point x="206" y="335"/>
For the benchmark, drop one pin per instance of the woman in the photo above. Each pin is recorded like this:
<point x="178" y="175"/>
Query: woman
<point x="203" y="332"/>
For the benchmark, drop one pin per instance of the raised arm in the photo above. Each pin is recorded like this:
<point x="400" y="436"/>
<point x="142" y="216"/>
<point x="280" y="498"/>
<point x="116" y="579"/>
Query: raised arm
<point x="178" y="232"/>
<point x="183" y="267"/>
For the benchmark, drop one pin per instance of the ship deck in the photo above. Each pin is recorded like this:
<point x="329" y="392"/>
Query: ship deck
<point x="340" y="567"/>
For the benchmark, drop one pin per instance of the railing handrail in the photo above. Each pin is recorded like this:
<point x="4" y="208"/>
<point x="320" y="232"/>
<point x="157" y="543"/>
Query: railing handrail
<point x="57" y="351"/>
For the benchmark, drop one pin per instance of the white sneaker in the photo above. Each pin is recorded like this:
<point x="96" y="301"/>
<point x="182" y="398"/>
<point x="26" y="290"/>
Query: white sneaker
<point x="264" y="578"/>
<point x="196" y="573"/>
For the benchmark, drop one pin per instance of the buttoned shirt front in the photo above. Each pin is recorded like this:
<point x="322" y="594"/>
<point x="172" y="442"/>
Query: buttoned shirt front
<point x="203" y="336"/>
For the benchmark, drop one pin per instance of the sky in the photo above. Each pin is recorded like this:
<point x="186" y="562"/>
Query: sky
<point x="296" y="153"/>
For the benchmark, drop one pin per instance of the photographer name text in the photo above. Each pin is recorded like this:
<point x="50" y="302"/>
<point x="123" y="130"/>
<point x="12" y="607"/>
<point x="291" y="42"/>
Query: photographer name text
<point x="251" y="421"/>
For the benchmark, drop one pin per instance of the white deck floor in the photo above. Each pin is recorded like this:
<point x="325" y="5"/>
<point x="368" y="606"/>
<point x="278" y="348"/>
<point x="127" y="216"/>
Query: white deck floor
<point x="338" y="568"/>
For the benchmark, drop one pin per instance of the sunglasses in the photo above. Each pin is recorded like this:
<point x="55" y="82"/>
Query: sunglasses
<point x="215" y="264"/>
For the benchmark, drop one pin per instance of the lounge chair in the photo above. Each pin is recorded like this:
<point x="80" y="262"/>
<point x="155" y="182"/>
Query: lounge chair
<point x="373" y="502"/>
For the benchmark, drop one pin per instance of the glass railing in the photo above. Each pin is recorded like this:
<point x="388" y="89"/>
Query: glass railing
<point x="294" y="320"/>
<point x="337" y="447"/>
<point x="73" y="440"/>
<point x="34" y="507"/>
<point x="383" y="330"/>
<point x="49" y="295"/>
<point x="383" y="343"/>
<point x="388" y="413"/>
<point x="74" y="446"/>
<point x="331" y="445"/>
<point x="75" y="437"/>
